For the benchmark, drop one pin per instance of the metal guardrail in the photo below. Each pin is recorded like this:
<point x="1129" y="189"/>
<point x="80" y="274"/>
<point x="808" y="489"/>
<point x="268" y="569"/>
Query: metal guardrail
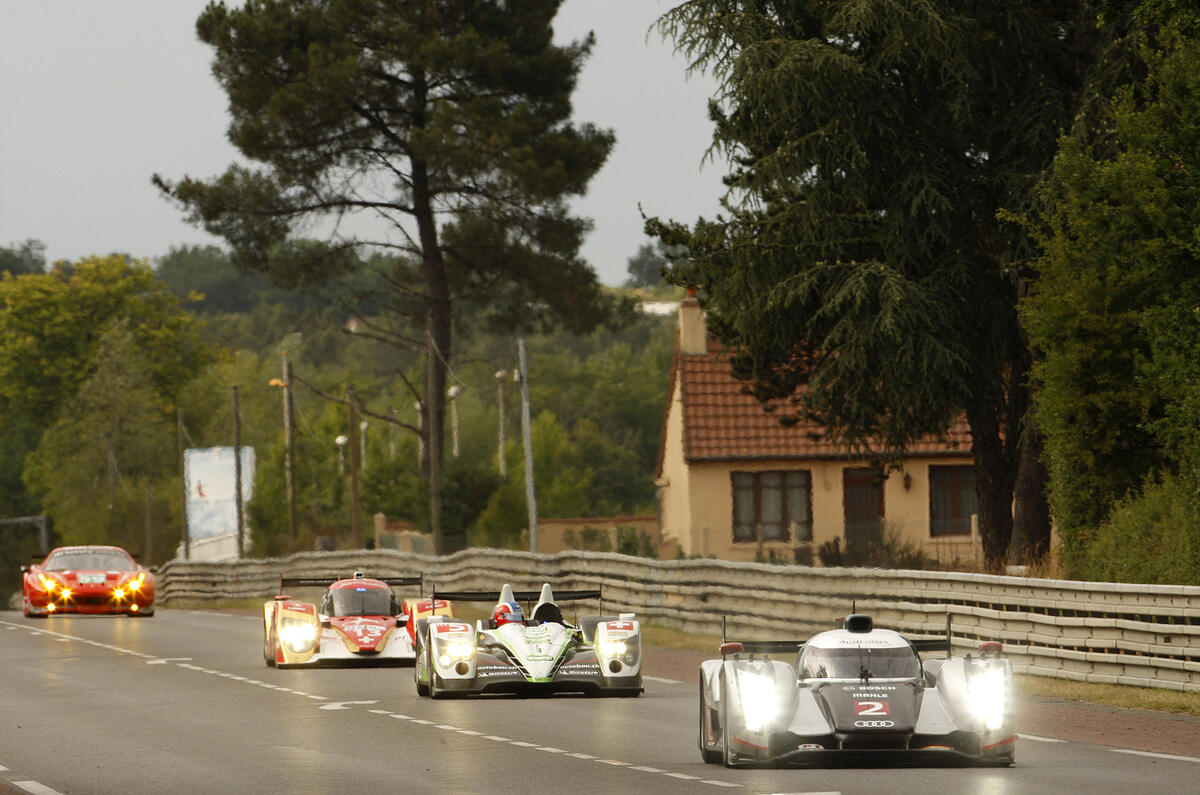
<point x="1144" y="635"/>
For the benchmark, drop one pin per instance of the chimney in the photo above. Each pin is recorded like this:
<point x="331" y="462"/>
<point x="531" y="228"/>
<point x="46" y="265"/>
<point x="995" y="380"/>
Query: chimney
<point x="693" y="334"/>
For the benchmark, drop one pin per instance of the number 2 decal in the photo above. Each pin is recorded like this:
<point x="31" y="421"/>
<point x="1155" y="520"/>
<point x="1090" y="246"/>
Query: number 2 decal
<point x="871" y="708"/>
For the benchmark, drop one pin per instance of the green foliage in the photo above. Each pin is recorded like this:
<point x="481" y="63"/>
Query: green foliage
<point x="91" y="469"/>
<point x="1114" y="311"/>
<point x="1151" y="538"/>
<point x="51" y="325"/>
<point x="28" y="257"/>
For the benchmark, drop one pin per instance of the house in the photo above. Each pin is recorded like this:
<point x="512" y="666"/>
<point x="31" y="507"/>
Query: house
<point x="735" y="484"/>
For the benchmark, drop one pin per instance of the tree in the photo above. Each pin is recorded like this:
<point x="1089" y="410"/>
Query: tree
<point x="51" y="325"/>
<point x="433" y="139"/>
<point x="861" y="275"/>
<point x="108" y="441"/>
<point x="28" y="257"/>
<point x="646" y="266"/>
<point x="1114" y="313"/>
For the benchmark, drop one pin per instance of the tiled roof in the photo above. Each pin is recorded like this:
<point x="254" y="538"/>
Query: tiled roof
<point x="721" y="422"/>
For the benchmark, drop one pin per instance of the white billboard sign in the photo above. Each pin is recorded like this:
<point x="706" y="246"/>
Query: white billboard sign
<point x="209" y="474"/>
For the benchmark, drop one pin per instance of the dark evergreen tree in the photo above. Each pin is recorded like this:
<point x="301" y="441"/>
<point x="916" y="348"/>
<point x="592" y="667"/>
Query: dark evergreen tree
<point x="861" y="272"/>
<point x="443" y="127"/>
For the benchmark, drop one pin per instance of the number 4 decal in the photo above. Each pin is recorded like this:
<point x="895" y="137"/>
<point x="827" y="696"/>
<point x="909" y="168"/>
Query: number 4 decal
<point x="871" y="708"/>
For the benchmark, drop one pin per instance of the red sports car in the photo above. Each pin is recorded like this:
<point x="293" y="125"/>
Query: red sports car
<point x="87" y="579"/>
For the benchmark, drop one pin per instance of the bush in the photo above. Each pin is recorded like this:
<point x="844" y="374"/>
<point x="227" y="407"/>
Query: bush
<point x="889" y="553"/>
<point x="1153" y="537"/>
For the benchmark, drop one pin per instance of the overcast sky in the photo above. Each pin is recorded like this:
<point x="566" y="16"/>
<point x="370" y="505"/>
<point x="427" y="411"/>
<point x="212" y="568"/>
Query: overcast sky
<point x="95" y="97"/>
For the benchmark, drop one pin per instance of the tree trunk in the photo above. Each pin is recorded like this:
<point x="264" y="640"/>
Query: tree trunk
<point x="437" y="329"/>
<point x="994" y="478"/>
<point x="1031" y="509"/>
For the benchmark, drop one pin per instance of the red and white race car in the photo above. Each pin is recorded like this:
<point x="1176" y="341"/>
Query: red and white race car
<point x="87" y="579"/>
<point x="358" y="621"/>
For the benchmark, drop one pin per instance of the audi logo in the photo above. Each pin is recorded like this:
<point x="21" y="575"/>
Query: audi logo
<point x="873" y="724"/>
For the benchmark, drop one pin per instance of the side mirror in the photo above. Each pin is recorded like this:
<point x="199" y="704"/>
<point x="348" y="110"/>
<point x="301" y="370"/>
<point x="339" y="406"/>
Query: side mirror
<point x="24" y="569"/>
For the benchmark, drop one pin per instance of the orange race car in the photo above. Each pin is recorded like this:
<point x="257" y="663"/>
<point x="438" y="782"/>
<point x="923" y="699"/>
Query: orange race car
<point x="87" y="579"/>
<point x="358" y="621"/>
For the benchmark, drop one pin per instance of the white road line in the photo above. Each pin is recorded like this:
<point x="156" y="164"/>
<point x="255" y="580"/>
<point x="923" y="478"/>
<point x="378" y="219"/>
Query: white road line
<point x="660" y="680"/>
<point x="1035" y="738"/>
<point x="36" y="788"/>
<point x="1156" y="756"/>
<point x="549" y="749"/>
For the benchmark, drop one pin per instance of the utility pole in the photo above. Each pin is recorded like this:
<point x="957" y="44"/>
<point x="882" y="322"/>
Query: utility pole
<point x="148" y="546"/>
<point x="187" y="542"/>
<point x="112" y="470"/>
<point x="530" y="494"/>
<point x="454" y="392"/>
<point x="356" y="530"/>
<point x="500" y="376"/>
<point x="289" y="442"/>
<point x="237" y="474"/>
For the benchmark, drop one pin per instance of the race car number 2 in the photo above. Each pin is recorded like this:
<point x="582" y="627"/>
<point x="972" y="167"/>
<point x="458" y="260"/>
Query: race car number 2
<point x="871" y="708"/>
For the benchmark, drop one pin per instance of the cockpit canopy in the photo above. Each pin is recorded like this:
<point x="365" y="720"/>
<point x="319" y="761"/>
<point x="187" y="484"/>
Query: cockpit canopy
<point x="359" y="600"/>
<point x="853" y="662"/>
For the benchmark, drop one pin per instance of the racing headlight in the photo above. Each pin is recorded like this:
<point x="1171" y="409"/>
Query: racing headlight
<point x="759" y="701"/>
<point x="454" y="651"/>
<point x="48" y="583"/>
<point x="135" y="584"/>
<point x="612" y="648"/>
<point x="118" y="594"/>
<point x="297" y="635"/>
<point x="988" y="690"/>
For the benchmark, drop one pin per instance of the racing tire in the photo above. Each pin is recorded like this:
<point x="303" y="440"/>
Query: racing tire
<point x="710" y="757"/>
<point x="422" y="687"/>
<point x="268" y="650"/>
<point x="727" y="755"/>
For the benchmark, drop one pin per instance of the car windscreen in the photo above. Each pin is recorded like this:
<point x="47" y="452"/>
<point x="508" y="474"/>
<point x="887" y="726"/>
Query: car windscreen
<point x="359" y="601"/>
<point x="854" y="662"/>
<point x="93" y="559"/>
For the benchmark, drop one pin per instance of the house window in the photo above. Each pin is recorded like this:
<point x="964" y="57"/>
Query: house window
<point x="772" y="506"/>
<point x="952" y="500"/>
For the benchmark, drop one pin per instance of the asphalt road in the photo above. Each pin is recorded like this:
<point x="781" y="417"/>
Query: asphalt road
<point x="182" y="703"/>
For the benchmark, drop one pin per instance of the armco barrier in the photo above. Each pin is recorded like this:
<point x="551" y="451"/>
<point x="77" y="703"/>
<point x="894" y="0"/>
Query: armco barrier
<point x="1146" y="635"/>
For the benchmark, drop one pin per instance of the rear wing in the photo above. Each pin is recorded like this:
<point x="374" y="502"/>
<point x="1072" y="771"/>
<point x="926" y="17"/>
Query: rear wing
<point x="763" y="646"/>
<point x="325" y="582"/>
<point x="792" y="646"/>
<point x="520" y="596"/>
<point x="934" y="644"/>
